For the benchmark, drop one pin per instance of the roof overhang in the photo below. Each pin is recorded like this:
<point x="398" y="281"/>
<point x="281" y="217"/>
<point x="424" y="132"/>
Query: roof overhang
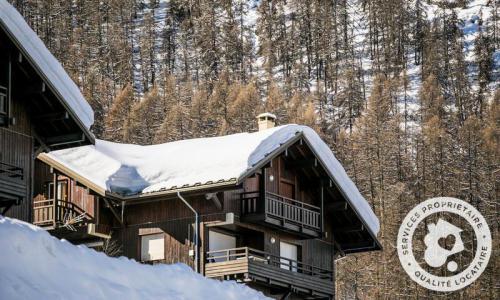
<point x="283" y="147"/>
<point x="46" y="158"/>
<point x="66" y="139"/>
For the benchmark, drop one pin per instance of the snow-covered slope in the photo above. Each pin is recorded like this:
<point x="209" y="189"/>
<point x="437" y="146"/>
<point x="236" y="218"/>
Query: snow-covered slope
<point x="35" y="265"/>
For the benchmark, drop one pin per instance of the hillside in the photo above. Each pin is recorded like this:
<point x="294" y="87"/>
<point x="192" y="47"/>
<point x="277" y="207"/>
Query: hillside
<point x="406" y="93"/>
<point x="35" y="265"/>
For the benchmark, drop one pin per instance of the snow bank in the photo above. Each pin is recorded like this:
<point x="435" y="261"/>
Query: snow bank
<point x="130" y="169"/>
<point x="35" y="265"/>
<point x="45" y="62"/>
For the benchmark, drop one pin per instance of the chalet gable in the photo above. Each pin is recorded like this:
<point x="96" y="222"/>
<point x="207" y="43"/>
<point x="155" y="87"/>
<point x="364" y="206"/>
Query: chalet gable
<point x="59" y="112"/>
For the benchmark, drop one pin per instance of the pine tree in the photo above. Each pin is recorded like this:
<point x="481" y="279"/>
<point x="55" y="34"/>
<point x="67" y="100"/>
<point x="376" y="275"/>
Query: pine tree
<point x="244" y="109"/>
<point x="275" y="102"/>
<point x="118" y="114"/>
<point x="145" y="119"/>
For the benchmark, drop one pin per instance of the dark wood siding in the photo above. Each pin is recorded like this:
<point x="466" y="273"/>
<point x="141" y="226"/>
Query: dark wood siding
<point x="178" y="236"/>
<point x="16" y="149"/>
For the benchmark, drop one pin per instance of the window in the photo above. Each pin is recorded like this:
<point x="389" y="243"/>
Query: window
<point x="3" y="106"/>
<point x="289" y="254"/>
<point x="219" y="241"/>
<point x="153" y="247"/>
<point x="3" y="100"/>
<point x="62" y="191"/>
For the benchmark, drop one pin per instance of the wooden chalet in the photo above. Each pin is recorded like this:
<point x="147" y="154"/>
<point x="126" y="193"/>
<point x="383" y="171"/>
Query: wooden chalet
<point x="272" y="209"/>
<point x="41" y="109"/>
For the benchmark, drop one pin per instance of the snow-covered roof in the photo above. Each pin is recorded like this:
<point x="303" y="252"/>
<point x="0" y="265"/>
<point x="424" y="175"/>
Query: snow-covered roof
<point x="132" y="169"/>
<point x="46" y="64"/>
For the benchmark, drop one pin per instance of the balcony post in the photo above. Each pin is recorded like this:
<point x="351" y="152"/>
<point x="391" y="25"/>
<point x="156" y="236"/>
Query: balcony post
<point x="321" y="216"/>
<point x="54" y="201"/>
<point x="261" y="203"/>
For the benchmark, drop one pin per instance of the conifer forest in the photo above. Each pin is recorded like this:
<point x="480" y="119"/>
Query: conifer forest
<point x="406" y="93"/>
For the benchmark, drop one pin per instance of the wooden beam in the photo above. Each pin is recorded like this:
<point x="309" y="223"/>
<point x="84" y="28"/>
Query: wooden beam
<point x="215" y="199"/>
<point x="357" y="247"/>
<point x="7" y="206"/>
<point x="54" y="116"/>
<point x="113" y="211"/>
<point x="338" y="206"/>
<point x="349" y="229"/>
<point x="303" y="163"/>
<point x="34" y="88"/>
<point x="65" y="139"/>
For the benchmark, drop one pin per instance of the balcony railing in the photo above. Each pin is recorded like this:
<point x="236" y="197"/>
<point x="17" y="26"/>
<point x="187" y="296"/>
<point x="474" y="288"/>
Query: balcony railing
<point x="251" y="264"/>
<point x="51" y="213"/>
<point x="287" y="211"/>
<point x="11" y="171"/>
<point x="281" y="262"/>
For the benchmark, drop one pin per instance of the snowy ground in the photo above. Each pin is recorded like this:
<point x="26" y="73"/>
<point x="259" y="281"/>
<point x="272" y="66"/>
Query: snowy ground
<point x="35" y="265"/>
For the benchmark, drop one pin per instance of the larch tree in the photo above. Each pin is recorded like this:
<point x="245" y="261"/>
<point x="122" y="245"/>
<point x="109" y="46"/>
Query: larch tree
<point x="118" y="114"/>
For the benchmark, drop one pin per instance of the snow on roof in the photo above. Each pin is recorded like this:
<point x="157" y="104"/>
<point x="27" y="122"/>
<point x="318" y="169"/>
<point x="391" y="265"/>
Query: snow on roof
<point x="132" y="169"/>
<point x="36" y="265"/>
<point x="267" y="114"/>
<point x="46" y="63"/>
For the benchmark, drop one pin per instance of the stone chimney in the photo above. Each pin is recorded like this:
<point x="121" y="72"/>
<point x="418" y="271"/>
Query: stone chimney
<point x="266" y="120"/>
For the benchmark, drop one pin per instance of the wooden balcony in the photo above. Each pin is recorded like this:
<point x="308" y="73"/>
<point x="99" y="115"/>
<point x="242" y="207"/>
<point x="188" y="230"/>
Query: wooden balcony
<point x="13" y="186"/>
<point x="249" y="264"/>
<point x="51" y="214"/>
<point x="285" y="213"/>
<point x="11" y="171"/>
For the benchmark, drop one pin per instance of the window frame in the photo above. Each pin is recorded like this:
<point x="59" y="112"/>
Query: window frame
<point x="141" y="239"/>
<point x="49" y="192"/>
<point x="4" y="106"/>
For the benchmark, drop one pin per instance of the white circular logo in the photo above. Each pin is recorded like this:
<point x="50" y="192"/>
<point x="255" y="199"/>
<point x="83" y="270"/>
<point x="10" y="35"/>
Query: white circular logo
<point x="438" y="256"/>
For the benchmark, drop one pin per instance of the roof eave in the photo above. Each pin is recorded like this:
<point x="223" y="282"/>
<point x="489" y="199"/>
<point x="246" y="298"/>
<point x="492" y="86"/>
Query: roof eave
<point x="46" y="158"/>
<point x="173" y="191"/>
<point x="83" y="127"/>
<point x="300" y="135"/>
<point x="270" y="156"/>
<point x="344" y="195"/>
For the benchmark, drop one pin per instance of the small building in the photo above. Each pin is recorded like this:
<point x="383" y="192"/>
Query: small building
<point x="41" y="109"/>
<point x="272" y="209"/>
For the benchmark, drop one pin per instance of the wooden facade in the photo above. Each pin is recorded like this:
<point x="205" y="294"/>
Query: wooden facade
<point x="307" y="213"/>
<point x="68" y="209"/>
<point x="33" y="118"/>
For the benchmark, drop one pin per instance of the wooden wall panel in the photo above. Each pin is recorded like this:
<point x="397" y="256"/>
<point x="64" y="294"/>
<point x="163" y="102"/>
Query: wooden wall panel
<point x="273" y="186"/>
<point x="317" y="252"/>
<point x="17" y="149"/>
<point x="81" y="197"/>
<point x="178" y="236"/>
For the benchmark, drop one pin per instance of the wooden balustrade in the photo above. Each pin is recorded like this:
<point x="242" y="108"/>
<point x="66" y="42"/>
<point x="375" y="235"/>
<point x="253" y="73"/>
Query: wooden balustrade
<point x="220" y="261"/>
<point x="11" y="171"/>
<point x="54" y="213"/>
<point x="286" y="210"/>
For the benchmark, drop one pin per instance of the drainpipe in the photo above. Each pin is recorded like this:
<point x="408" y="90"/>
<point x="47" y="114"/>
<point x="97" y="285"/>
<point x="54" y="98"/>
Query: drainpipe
<point x="196" y="255"/>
